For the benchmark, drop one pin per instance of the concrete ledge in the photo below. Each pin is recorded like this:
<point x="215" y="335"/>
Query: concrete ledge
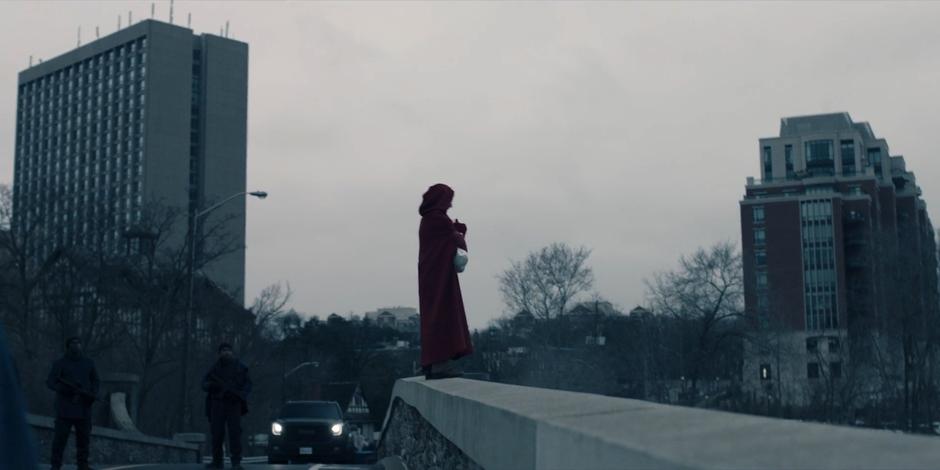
<point x="115" y="446"/>
<point x="511" y="427"/>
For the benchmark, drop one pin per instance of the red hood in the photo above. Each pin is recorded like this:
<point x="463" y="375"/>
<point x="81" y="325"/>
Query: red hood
<point x="437" y="197"/>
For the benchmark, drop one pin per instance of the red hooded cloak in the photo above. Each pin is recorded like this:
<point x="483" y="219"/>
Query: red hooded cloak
<point x="444" y="332"/>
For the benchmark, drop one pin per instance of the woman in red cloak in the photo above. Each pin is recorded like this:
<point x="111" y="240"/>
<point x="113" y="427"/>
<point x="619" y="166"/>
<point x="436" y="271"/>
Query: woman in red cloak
<point x="444" y="333"/>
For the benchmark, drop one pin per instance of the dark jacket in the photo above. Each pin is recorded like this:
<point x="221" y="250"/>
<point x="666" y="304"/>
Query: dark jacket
<point x="79" y="371"/>
<point x="227" y="382"/>
<point x="444" y="331"/>
<point x="17" y="449"/>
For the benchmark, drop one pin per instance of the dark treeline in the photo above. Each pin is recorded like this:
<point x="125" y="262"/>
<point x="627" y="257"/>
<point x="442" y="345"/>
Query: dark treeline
<point x="692" y="343"/>
<point x="128" y="300"/>
<point x="695" y="345"/>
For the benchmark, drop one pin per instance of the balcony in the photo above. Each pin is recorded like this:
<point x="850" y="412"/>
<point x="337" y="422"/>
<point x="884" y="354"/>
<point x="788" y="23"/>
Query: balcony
<point x="821" y="163"/>
<point x="751" y="181"/>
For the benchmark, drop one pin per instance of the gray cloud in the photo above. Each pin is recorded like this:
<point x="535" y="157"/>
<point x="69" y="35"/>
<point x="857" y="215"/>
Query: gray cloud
<point x="626" y="127"/>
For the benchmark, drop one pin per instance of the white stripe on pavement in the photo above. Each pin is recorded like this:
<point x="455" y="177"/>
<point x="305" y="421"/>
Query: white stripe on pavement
<point x="255" y="459"/>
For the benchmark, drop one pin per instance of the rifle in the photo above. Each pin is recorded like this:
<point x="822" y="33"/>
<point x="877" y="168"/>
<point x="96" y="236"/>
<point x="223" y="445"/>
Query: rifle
<point x="79" y="391"/>
<point x="228" y="388"/>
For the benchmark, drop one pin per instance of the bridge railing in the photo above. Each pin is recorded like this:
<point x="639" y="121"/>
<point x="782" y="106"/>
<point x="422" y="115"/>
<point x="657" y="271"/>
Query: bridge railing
<point x="115" y="446"/>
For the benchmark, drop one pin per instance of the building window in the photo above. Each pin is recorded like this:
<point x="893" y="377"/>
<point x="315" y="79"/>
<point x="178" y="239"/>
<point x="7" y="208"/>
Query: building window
<point x="847" y="151"/>
<point x="761" y="279"/>
<point x="762" y="302"/>
<point x="765" y="372"/>
<point x="758" y="214"/>
<point x="760" y="258"/>
<point x="768" y="164"/>
<point x="812" y="370"/>
<point x="834" y="345"/>
<point x="874" y="159"/>
<point x="759" y="236"/>
<point x="819" y="280"/>
<point x="811" y="345"/>
<point x="835" y="370"/>
<point x="819" y="158"/>
<point x="788" y="157"/>
<point x="818" y="150"/>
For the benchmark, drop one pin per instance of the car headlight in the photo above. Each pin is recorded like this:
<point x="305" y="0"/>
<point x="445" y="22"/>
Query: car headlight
<point x="337" y="429"/>
<point x="276" y="429"/>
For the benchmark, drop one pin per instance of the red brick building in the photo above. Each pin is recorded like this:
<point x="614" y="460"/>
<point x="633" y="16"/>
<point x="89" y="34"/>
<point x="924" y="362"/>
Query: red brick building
<point x="831" y="220"/>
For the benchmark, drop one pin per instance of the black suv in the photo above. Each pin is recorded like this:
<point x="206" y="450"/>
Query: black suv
<point x="309" y="431"/>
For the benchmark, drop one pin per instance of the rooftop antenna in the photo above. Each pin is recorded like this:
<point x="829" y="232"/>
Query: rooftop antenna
<point x="96" y="32"/>
<point x="171" y="11"/>
<point x="153" y="10"/>
<point x="226" y="28"/>
<point x="30" y="61"/>
<point x="119" y="22"/>
<point x="79" y="36"/>
<point x="130" y="17"/>
<point x="189" y="20"/>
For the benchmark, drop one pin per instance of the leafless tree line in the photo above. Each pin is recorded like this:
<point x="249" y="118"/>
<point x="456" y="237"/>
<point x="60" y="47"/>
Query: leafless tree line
<point x="879" y="371"/>
<point x="128" y="306"/>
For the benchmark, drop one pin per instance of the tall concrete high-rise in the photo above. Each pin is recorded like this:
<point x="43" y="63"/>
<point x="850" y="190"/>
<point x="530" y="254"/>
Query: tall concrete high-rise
<point x="152" y="114"/>
<point x="826" y="231"/>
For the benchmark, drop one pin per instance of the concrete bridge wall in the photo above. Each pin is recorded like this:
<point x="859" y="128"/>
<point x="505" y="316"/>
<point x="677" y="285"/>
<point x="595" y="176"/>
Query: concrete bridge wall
<point x="496" y="426"/>
<point x="113" y="446"/>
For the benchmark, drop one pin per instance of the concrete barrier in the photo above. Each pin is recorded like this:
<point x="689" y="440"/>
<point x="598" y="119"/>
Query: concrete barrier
<point x="497" y="426"/>
<point x="114" y="446"/>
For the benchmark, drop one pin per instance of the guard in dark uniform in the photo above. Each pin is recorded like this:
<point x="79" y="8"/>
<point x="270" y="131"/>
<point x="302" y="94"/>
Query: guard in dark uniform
<point x="75" y="382"/>
<point x="227" y="386"/>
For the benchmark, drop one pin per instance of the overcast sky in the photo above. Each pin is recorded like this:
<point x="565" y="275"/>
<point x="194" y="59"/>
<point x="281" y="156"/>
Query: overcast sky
<point x="625" y="127"/>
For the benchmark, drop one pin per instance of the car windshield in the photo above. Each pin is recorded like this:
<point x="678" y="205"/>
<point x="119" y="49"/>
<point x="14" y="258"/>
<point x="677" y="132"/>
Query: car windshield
<point x="311" y="410"/>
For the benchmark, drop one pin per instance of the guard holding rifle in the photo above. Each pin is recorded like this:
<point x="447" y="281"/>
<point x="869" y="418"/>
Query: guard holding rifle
<point x="75" y="382"/>
<point x="227" y="387"/>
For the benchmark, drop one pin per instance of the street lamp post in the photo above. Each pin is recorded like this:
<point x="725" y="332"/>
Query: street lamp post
<point x="185" y="417"/>
<point x="289" y="373"/>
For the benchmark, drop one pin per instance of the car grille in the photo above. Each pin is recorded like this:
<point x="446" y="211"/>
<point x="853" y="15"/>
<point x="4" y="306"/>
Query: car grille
<point x="308" y="432"/>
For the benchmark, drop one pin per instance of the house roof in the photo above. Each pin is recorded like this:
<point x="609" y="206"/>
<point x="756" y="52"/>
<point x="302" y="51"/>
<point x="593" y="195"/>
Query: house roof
<point x="639" y="310"/>
<point x="400" y="313"/>
<point x="590" y="308"/>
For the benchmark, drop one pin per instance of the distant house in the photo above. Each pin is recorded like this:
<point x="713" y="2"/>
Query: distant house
<point x="592" y="316"/>
<point x="594" y="308"/>
<point x="404" y="319"/>
<point x="351" y="399"/>
<point x="639" y="311"/>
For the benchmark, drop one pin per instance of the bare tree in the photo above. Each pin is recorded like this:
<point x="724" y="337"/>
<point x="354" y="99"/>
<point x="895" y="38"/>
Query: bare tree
<point x="911" y="326"/>
<point x="547" y="280"/>
<point x="22" y="269"/>
<point x="706" y="295"/>
<point x="267" y="311"/>
<point x="155" y="273"/>
<point x="269" y="306"/>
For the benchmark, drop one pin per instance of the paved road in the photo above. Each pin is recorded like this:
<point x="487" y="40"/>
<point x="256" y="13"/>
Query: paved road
<point x="250" y="463"/>
<point x="248" y="466"/>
